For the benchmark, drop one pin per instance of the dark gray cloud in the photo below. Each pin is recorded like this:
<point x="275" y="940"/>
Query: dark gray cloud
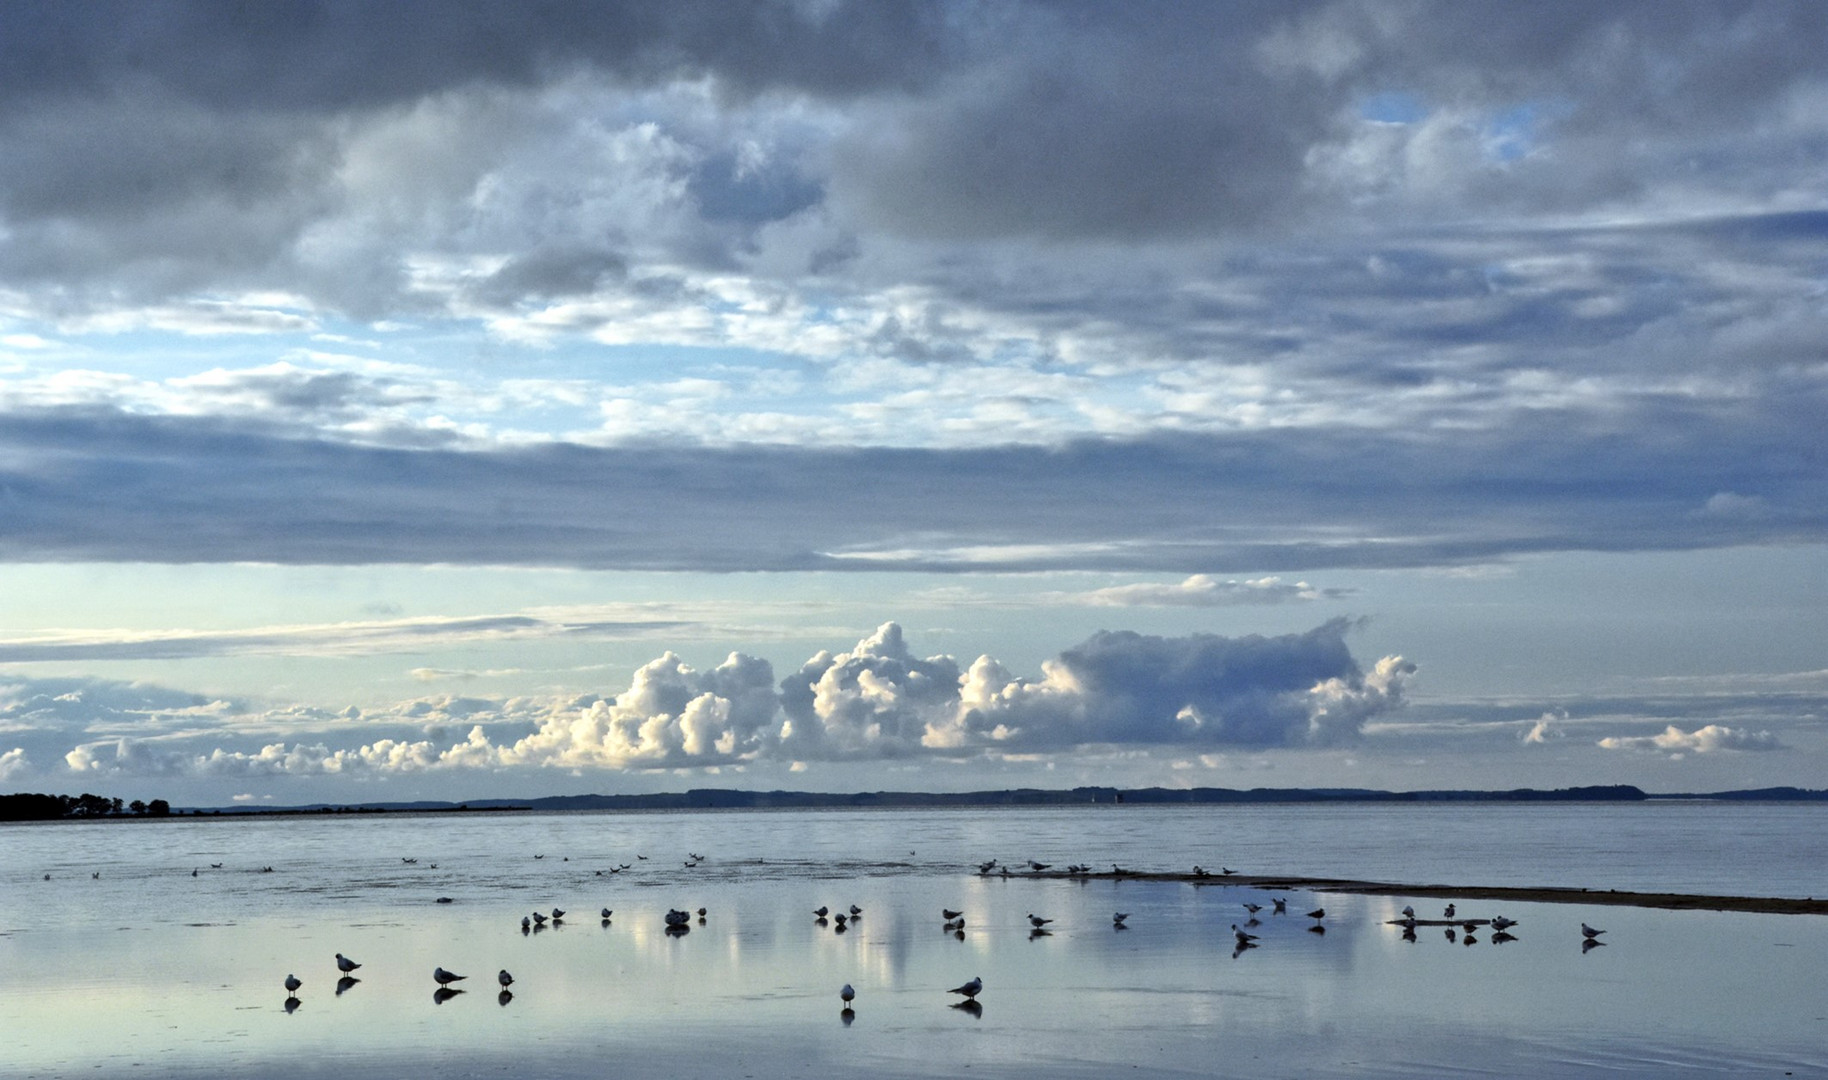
<point x="107" y="486"/>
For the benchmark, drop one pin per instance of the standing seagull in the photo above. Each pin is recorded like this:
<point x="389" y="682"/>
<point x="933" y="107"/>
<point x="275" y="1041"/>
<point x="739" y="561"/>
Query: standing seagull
<point x="344" y="964"/>
<point x="1449" y="913"/>
<point x="445" y="978"/>
<point x="1318" y="913"/>
<point x="506" y="980"/>
<point x="970" y="989"/>
<point x="1281" y="903"/>
<point x="292" y="984"/>
<point x="847" y="994"/>
<point x="1037" y="921"/>
<point x="1117" y="917"/>
<point x="1589" y="932"/>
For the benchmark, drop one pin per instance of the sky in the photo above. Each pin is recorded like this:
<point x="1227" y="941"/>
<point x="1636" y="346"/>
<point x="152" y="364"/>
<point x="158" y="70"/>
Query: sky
<point x="408" y="400"/>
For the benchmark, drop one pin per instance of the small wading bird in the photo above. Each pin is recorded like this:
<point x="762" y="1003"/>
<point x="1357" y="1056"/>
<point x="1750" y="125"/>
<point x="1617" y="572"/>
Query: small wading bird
<point x="847" y="994"/>
<point x="1318" y="913"/>
<point x="506" y="980"/>
<point x="1586" y="931"/>
<point x="293" y="983"/>
<point x="1117" y="917"/>
<point x="446" y="978"/>
<point x="344" y="964"/>
<point x="1281" y="905"/>
<point x="1449" y="913"/>
<point x="970" y="989"/>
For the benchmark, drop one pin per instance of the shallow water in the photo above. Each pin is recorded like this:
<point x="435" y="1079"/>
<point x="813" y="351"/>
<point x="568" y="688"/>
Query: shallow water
<point x="151" y="971"/>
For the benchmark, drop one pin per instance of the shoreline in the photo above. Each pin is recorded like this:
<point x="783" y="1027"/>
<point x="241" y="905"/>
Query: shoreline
<point x="1534" y="894"/>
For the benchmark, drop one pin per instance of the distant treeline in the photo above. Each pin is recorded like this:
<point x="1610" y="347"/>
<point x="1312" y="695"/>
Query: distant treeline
<point x="31" y="807"/>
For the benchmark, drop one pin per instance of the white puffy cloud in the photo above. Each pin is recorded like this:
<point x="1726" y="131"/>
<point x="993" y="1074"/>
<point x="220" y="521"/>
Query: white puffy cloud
<point x="1546" y="729"/>
<point x="874" y="701"/>
<point x="13" y="763"/>
<point x="1703" y="740"/>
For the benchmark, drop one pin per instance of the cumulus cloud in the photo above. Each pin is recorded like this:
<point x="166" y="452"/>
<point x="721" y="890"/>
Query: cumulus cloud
<point x="874" y="701"/>
<point x="13" y="763"/>
<point x="1546" y="729"/>
<point x="1703" y="740"/>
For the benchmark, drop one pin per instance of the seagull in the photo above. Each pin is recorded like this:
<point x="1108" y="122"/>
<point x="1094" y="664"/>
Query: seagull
<point x="557" y="914"/>
<point x="1038" y="866"/>
<point x="847" y="994"/>
<point x="539" y="918"/>
<point x="1318" y="913"/>
<point x="292" y="984"/>
<point x="1243" y="938"/>
<point x="506" y="980"/>
<point x="1117" y="917"/>
<point x="1501" y="923"/>
<point x="525" y="922"/>
<point x="1253" y="908"/>
<point x="344" y="964"/>
<point x="701" y="913"/>
<point x="1037" y="921"/>
<point x="986" y="867"/>
<point x="970" y="989"/>
<point x="445" y="978"/>
<point x="1408" y="911"/>
<point x="1281" y="903"/>
<point x="855" y="911"/>
<point x="950" y="914"/>
<point x="821" y="911"/>
<point x="1585" y="930"/>
<point x="1449" y="913"/>
<point x="605" y="913"/>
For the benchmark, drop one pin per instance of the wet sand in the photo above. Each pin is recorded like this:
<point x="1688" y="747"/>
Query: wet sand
<point x="1768" y="905"/>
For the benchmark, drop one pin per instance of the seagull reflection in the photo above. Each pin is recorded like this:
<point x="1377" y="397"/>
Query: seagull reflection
<point x="1450" y="935"/>
<point x="1037" y="932"/>
<point x="1408" y="933"/>
<point x="1469" y="940"/>
<point x="347" y="982"/>
<point x="1241" y="948"/>
<point x="847" y="1015"/>
<point x="970" y="1006"/>
<point x="503" y="998"/>
<point x="444" y="994"/>
<point x="1318" y="929"/>
<point x="291" y="1005"/>
<point x="1591" y="944"/>
<point x="1501" y="937"/>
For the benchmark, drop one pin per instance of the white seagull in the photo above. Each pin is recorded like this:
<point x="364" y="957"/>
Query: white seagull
<point x="344" y="964"/>
<point x="1243" y="938"/>
<point x="970" y="989"/>
<point x="445" y="978"/>
<point x="1585" y="931"/>
<point x="1037" y="921"/>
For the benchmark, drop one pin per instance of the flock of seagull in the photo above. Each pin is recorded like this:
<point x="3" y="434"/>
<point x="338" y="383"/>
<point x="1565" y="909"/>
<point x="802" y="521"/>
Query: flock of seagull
<point x="678" y="922"/>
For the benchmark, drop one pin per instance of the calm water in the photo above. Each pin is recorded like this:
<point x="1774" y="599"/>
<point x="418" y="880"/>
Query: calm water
<point x="150" y="971"/>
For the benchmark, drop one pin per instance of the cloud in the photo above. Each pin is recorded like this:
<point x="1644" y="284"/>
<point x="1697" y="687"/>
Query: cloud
<point x="875" y="701"/>
<point x="1704" y="740"/>
<point x="85" y="484"/>
<point x="13" y="763"/>
<point x="334" y="639"/>
<point x="1546" y="729"/>
<point x="1204" y="590"/>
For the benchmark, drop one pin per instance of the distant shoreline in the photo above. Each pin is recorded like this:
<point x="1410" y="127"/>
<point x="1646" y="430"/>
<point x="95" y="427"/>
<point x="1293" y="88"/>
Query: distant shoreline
<point x="734" y="799"/>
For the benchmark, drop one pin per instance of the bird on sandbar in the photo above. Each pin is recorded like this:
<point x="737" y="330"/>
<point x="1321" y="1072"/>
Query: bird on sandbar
<point x="1037" y="921"/>
<point x="1318" y="913"/>
<point x="1253" y="908"/>
<point x="446" y="978"/>
<point x="1585" y="931"/>
<point x="506" y="980"/>
<point x="821" y="911"/>
<point x="1117" y="917"/>
<point x="970" y="989"/>
<point x="293" y="983"/>
<point x="1408" y="911"/>
<point x="1449" y="913"/>
<point x="1281" y="903"/>
<point x="539" y="918"/>
<point x="847" y="994"/>
<point x="1243" y="938"/>
<point x="855" y="911"/>
<point x="1037" y="867"/>
<point x="950" y="914"/>
<point x="344" y="964"/>
<point x="606" y="913"/>
<point x="1501" y="923"/>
